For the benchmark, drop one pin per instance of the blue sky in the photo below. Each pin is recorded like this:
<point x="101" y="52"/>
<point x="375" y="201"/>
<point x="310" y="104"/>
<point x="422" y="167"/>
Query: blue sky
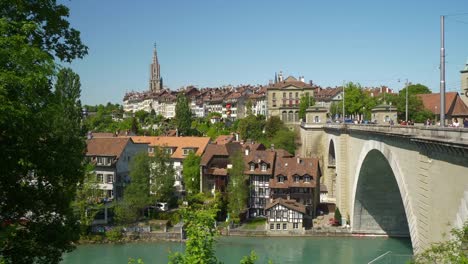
<point x="212" y="43"/>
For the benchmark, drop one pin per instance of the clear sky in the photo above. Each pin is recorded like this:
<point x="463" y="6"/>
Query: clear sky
<point x="211" y="43"/>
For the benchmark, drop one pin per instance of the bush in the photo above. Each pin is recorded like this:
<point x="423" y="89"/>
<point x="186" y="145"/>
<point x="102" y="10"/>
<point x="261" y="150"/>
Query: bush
<point x="114" y="235"/>
<point x="337" y="215"/>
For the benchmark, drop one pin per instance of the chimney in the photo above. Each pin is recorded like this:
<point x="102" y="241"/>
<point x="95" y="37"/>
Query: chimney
<point x="301" y="78"/>
<point x="90" y="135"/>
<point x="273" y="147"/>
<point x="286" y="164"/>
<point x="247" y="151"/>
<point x="298" y="160"/>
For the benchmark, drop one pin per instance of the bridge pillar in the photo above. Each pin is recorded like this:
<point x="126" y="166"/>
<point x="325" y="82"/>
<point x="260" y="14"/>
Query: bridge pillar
<point x="343" y="199"/>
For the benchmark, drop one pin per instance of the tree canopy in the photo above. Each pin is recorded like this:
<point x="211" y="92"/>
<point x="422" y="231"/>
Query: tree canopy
<point x="237" y="187"/>
<point x="40" y="139"/>
<point x="191" y="173"/>
<point x="183" y="115"/>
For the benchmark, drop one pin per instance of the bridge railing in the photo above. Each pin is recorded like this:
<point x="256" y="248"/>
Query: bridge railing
<point x="425" y="132"/>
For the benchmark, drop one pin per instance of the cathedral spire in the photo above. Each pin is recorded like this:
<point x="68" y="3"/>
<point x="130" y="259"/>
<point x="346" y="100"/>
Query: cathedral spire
<point x="155" y="81"/>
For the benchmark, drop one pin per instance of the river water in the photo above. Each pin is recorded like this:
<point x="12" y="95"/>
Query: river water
<point x="231" y="249"/>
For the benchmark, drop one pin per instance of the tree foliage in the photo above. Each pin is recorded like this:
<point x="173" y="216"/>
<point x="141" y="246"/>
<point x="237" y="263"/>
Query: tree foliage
<point x="40" y="138"/>
<point x="162" y="176"/>
<point x="86" y="202"/>
<point x="451" y="251"/>
<point x="51" y="33"/>
<point x="251" y="127"/>
<point x="201" y="233"/>
<point x="237" y="187"/>
<point x="183" y="115"/>
<point x="137" y="194"/>
<point x="306" y="102"/>
<point x="191" y="173"/>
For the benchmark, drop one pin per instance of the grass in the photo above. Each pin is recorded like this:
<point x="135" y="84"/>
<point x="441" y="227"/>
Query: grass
<point x="254" y="223"/>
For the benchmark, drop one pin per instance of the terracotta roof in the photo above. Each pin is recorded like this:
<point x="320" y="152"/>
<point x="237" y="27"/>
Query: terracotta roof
<point x="219" y="150"/>
<point x="254" y="146"/>
<point x="283" y="153"/>
<point x="290" y="167"/>
<point x="454" y="106"/>
<point x="178" y="143"/>
<point x="258" y="157"/>
<point x="111" y="147"/>
<point x="290" y="204"/>
<point x="223" y="139"/>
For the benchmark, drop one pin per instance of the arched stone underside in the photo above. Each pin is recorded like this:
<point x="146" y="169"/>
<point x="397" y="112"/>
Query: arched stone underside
<point x="380" y="202"/>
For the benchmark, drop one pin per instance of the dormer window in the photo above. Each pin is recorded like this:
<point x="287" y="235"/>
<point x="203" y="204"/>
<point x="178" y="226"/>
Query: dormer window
<point x="187" y="151"/>
<point x="296" y="178"/>
<point x="103" y="161"/>
<point x="281" y="179"/>
<point x="252" y="166"/>
<point x="307" y="178"/>
<point x="264" y="167"/>
<point x="168" y="151"/>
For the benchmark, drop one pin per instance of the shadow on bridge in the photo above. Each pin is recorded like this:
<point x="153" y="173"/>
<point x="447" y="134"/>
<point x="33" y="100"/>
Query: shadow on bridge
<point x="378" y="207"/>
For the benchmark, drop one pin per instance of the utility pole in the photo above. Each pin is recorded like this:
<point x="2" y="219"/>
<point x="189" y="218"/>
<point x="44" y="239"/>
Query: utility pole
<point x="406" y="113"/>
<point x="343" y="101"/>
<point x="442" y="71"/>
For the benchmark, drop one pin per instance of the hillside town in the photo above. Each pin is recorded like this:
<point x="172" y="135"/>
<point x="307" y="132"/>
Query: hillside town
<point x="284" y="187"/>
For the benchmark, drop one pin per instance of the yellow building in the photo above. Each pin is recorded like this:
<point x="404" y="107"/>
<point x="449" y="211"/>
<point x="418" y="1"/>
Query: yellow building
<point x="284" y="98"/>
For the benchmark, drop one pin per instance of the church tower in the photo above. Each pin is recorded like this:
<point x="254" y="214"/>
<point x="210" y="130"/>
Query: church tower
<point x="155" y="82"/>
<point x="464" y="84"/>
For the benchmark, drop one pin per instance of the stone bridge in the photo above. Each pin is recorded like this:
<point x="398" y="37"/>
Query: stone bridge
<point x="394" y="180"/>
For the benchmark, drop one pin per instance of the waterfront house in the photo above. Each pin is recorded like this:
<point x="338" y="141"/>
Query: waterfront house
<point x="178" y="149"/>
<point x="214" y="166"/>
<point x="259" y="167"/>
<point x="111" y="157"/>
<point x="286" y="215"/>
<point x="298" y="179"/>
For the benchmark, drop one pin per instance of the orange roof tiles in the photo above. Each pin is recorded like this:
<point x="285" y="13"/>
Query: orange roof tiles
<point x="290" y="204"/>
<point x="454" y="106"/>
<point x="112" y="147"/>
<point x="179" y="143"/>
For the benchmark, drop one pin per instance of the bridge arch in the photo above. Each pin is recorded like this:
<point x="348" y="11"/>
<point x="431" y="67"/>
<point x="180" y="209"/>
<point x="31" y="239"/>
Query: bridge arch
<point x="380" y="201"/>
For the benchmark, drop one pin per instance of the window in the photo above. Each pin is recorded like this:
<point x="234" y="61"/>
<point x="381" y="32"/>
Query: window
<point x="284" y="226"/>
<point x="274" y="95"/>
<point x="281" y="179"/>
<point x="272" y="226"/>
<point x="264" y="167"/>
<point x="110" y="194"/>
<point x="297" y="95"/>
<point x="278" y="226"/>
<point x="295" y="225"/>
<point x="150" y="149"/>
<point x="187" y="151"/>
<point x="260" y="191"/>
<point x="99" y="178"/>
<point x="284" y="95"/>
<point x="307" y="178"/>
<point x="296" y="178"/>
<point x="168" y="151"/>
<point x="110" y="178"/>
<point x="103" y="161"/>
<point x="290" y="94"/>
<point x="252" y="167"/>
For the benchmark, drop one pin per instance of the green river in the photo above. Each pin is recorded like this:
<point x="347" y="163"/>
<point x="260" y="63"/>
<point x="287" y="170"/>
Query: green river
<point x="278" y="249"/>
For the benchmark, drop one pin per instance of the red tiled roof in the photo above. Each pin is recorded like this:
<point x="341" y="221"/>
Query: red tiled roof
<point x="290" y="167"/>
<point x="223" y="139"/>
<point x="454" y="106"/>
<point x="290" y="204"/>
<point x="179" y="143"/>
<point x="112" y="147"/>
<point x="258" y="157"/>
<point x="290" y="81"/>
<point x="219" y="150"/>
